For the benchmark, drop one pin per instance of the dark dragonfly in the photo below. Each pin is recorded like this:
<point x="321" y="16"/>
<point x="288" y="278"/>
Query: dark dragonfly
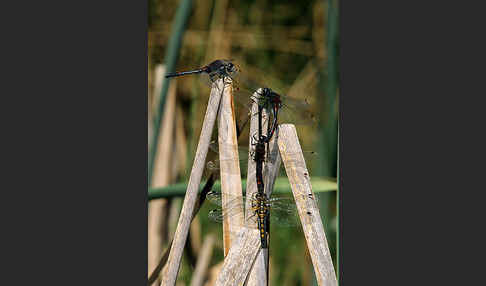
<point x="279" y="108"/>
<point x="216" y="70"/>
<point x="259" y="204"/>
<point x="259" y="154"/>
<point x="292" y="110"/>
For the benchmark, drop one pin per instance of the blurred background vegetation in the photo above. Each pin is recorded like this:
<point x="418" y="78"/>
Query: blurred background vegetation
<point x="289" y="46"/>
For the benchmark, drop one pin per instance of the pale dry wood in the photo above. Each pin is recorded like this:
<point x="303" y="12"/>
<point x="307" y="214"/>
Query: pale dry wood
<point x="230" y="175"/>
<point x="213" y="274"/>
<point x="203" y="261"/>
<point x="258" y="273"/>
<point x="240" y="258"/>
<point x="293" y="159"/>
<point x="157" y="209"/>
<point x="169" y="275"/>
<point x="272" y="166"/>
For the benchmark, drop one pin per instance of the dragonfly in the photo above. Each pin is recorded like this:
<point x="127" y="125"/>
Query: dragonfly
<point x="215" y="70"/>
<point x="279" y="210"/>
<point x="283" y="109"/>
<point x="292" y="109"/>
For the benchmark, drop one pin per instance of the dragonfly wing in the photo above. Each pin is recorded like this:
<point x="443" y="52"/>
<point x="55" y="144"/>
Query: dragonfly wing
<point x="284" y="213"/>
<point x="242" y="97"/>
<point x="284" y="218"/>
<point x="216" y="215"/>
<point x="216" y="198"/>
<point x="205" y="80"/>
<point x="233" y="209"/>
<point x="298" y="116"/>
<point x="242" y="150"/>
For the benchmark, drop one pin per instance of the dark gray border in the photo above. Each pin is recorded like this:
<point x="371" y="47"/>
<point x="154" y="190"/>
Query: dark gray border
<point x="80" y="212"/>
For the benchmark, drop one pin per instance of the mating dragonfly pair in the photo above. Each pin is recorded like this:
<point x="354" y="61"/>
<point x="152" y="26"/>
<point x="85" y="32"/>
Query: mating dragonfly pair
<point x="283" y="208"/>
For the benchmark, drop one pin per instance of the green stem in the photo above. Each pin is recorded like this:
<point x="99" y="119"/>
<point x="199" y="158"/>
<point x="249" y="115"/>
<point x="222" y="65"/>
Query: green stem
<point x="282" y="185"/>
<point x="172" y="53"/>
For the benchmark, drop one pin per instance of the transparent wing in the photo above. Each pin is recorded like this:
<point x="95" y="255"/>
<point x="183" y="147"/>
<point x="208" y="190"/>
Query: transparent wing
<point x="309" y="156"/>
<point x="283" y="211"/>
<point x="235" y="206"/>
<point x="216" y="198"/>
<point x="217" y="215"/>
<point x="296" y="111"/>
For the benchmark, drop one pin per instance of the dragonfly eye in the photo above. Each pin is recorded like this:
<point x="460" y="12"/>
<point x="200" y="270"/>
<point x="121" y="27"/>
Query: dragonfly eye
<point x="231" y="67"/>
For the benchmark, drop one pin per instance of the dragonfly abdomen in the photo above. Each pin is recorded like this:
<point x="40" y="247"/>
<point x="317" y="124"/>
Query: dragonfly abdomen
<point x="183" y="73"/>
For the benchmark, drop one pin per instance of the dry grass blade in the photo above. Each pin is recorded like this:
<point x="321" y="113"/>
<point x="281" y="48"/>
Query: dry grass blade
<point x="202" y="197"/>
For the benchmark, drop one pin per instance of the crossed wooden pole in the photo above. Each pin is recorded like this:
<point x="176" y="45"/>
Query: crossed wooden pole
<point x="245" y="262"/>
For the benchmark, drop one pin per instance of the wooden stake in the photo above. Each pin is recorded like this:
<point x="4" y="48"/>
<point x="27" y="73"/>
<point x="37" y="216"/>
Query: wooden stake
<point x="171" y="270"/>
<point x="229" y="164"/>
<point x="240" y="258"/>
<point x="299" y="179"/>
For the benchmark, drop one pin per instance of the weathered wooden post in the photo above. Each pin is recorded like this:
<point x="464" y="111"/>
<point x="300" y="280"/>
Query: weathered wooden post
<point x="171" y="270"/>
<point x="293" y="159"/>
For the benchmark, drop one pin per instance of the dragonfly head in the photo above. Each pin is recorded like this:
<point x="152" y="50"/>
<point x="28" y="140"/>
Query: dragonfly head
<point x="231" y="68"/>
<point x="266" y="91"/>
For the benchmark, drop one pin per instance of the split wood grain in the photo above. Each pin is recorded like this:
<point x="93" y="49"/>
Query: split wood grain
<point x="213" y="274"/>
<point x="240" y="258"/>
<point x="230" y="175"/>
<point x="203" y="262"/>
<point x="170" y="272"/>
<point x="293" y="160"/>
